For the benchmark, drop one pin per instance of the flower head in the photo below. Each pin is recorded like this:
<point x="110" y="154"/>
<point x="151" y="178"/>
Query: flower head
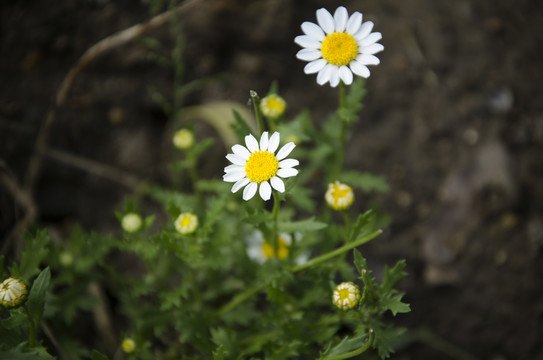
<point x="128" y="345"/>
<point x="12" y="292"/>
<point x="186" y="223"/>
<point x="260" y="251"/>
<point x="183" y="139"/>
<point x="273" y="106"/>
<point x="131" y="222"/>
<point x="256" y="166"/>
<point x="339" y="196"/>
<point x="338" y="46"/>
<point x="346" y="295"/>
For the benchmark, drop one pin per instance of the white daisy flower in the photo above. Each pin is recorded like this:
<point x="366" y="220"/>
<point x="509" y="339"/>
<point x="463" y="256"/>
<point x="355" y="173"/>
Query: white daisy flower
<point x="260" y="251"/>
<point x="338" y="46"/>
<point x="256" y="166"/>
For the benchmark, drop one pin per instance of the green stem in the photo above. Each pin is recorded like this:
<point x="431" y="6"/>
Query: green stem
<point x="342" y="134"/>
<point x="353" y="353"/>
<point x="255" y="99"/>
<point x="241" y="297"/>
<point x="31" y="328"/>
<point x="337" y="252"/>
<point x="275" y="212"/>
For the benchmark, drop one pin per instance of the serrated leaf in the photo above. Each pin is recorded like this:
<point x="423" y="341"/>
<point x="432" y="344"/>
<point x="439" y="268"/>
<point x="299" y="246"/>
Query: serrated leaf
<point x="302" y="226"/>
<point x="392" y="275"/>
<point x="394" y="304"/>
<point x="36" y="297"/>
<point x="364" y="225"/>
<point x="36" y="250"/>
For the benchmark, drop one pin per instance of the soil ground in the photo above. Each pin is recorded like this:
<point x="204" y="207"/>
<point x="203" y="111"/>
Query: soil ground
<point x="453" y="119"/>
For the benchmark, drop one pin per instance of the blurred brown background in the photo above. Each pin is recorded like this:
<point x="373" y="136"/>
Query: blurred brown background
<point x="453" y="119"/>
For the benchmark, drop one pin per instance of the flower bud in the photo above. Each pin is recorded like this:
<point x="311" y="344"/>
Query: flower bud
<point x="339" y="196"/>
<point x="13" y="293"/>
<point x="346" y="295"/>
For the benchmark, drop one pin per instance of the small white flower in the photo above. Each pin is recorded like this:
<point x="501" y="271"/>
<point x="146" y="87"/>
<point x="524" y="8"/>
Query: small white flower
<point x="186" y="223"/>
<point x="260" y="251"/>
<point x="346" y="295"/>
<point x="338" y="46"/>
<point x="339" y="196"/>
<point x="131" y="222"/>
<point x="12" y="292"/>
<point x="183" y="139"/>
<point x="256" y="166"/>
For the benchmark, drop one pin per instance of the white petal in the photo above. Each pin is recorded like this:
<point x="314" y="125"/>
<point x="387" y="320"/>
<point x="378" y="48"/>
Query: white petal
<point x="233" y="167"/>
<point x="324" y="75"/>
<point x="364" y="30"/>
<point x="372" y="49"/>
<point x="252" y="143"/>
<point x="315" y="66"/>
<point x="239" y="184"/>
<point x="334" y="76"/>
<point x="325" y="20"/>
<point x="346" y="75"/>
<point x="277" y="184"/>
<point x="250" y="191"/>
<point x="285" y="150"/>
<point x="265" y="190"/>
<point x="288" y="163"/>
<point x="340" y="18"/>
<point x="308" y="54"/>
<point x="264" y="141"/>
<point x="359" y="69"/>
<point x="234" y="176"/>
<point x="307" y="41"/>
<point x="241" y="151"/>
<point x="370" y="39"/>
<point x="367" y="59"/>
<point x="354" y="23"/>
<point x="234" y="159"/>
<point x="313" y="30"/>
<point x="273" y="143"/>
<point x="284" y="173"/>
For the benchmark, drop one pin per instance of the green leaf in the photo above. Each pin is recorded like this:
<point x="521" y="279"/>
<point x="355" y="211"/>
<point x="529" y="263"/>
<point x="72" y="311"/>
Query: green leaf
<point x="36" y="297"/>
<point x="394" y="304"/>
<point x="365" y="181"/>
<point x="96" y="355"/>
<point x="364" y="225"/>
<point x="301" y="226"/>
<point x="393" y="275"/>
<point x="36" y="250"/>
<point x="346" y="345"/>
<point x="19" y="353"/>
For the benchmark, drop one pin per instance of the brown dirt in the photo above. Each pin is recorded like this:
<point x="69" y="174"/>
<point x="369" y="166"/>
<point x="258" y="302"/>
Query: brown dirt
<point x="453" y="118"/>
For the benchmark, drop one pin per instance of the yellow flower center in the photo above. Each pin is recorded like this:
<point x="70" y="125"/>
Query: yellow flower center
<point x="185" y="221"/>
<point x="339" y="48"/>
<point x="282" y="249"/>
<point x="273" y="106"/>
<point x="261" y="166"/>
<point x="345" y="294"/>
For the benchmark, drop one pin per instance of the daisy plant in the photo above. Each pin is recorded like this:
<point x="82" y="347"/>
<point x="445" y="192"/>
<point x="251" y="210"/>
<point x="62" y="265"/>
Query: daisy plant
<point x="209" y="273"/>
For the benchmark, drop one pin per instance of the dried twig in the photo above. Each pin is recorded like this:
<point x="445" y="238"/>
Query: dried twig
<point x="24" y="200"/>
<point x="103" y="46"/>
